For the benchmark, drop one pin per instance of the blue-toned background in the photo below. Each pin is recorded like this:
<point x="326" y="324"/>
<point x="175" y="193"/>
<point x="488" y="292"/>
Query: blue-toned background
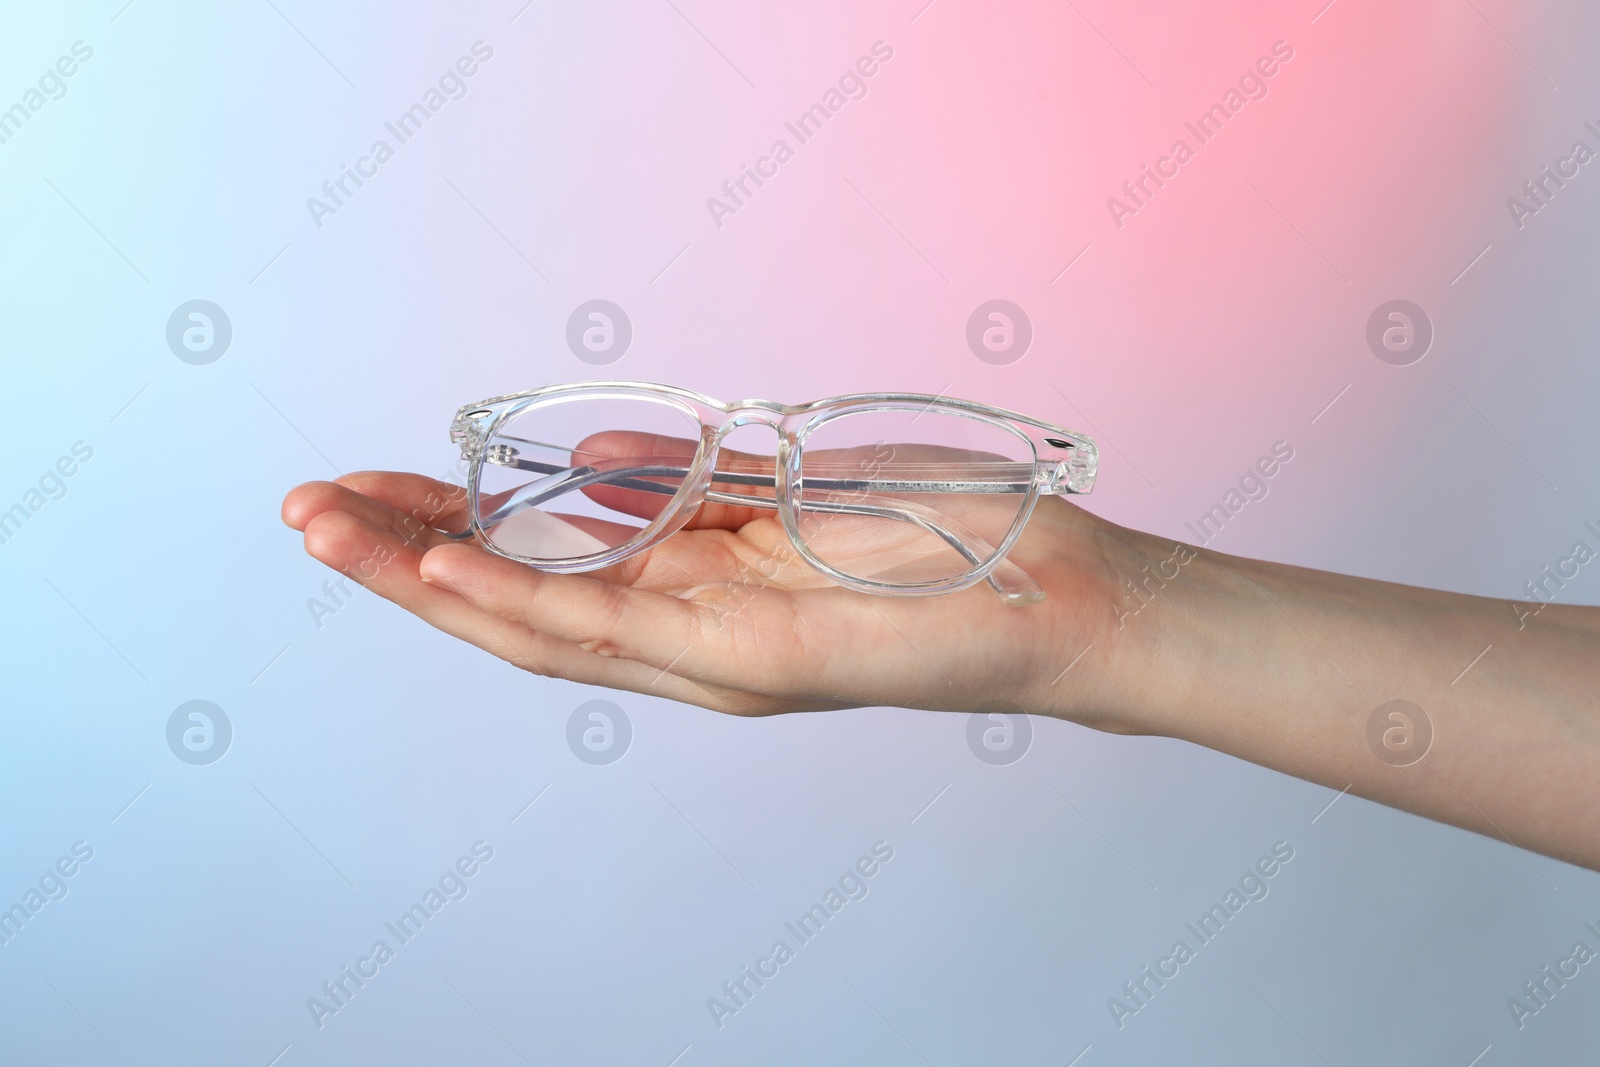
<point x="369" y="753"/>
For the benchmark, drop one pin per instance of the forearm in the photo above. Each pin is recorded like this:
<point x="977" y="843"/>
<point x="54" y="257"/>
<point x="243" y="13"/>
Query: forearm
<point x="1286" y="667"/>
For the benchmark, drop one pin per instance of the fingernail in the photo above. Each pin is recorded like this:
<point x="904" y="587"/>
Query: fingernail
<point x="436" y="580"/>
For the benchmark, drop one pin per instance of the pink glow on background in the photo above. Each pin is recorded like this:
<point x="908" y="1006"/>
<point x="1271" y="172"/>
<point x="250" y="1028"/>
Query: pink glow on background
<point x="991" y="142"/>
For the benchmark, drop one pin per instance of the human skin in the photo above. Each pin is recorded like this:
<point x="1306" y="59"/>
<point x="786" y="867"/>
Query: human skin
<point x="1279" y="665"/>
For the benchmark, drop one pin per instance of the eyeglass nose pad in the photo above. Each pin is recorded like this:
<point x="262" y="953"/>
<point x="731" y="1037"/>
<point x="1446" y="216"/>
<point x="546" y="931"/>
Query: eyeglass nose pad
<point x="692" y="494"/>
<point x="788" y="476"/>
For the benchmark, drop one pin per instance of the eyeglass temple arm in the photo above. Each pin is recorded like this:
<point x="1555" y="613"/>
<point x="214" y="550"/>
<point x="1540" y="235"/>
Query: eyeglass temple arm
<point x="1007" y="579"/>
<point x="565" y="479"/>
<point x="951" y="482"/>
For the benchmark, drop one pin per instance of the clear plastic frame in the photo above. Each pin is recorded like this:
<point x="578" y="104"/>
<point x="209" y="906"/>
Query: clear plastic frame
<point x="933" y="510"/>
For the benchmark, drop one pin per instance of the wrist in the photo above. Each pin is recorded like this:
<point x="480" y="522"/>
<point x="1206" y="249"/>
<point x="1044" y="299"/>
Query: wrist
<point x="1162" y="628"/>
<point x="1181" y="640"/>
<point x="1122" y="643"/>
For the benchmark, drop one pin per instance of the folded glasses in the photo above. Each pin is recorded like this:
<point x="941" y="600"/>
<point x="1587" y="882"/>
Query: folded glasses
<point x="900" y="494"/>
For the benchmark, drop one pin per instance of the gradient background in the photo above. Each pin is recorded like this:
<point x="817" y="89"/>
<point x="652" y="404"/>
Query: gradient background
<point x="370" y="752"/>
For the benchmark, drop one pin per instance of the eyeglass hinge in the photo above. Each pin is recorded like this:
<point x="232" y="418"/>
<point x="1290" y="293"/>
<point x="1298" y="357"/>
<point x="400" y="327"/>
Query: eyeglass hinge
<point x="467" y="431"/>
<point x="1075" y="473"/>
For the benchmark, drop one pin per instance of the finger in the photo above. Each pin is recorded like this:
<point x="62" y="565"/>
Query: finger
<point x="388" y="564"/>
<point x="408" y="504"/>
<point x="305" y="502"/>
<point x="751" y="638"/>
<point x="361" y="540"/>
<point x="381" y="559"/>
<point x="635" y="449"/>
<point x="601" y="617"/>
<point x="395" y="500"/>
<point x="647" y="448"/>
<point x="715" y="515"/>
<point x="760" y="554"/>
<point x="440" y="505"/>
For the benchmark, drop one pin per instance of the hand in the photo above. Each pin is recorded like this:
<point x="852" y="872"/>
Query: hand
<point x="1274" y="664"/>
<point x="722" y="614"/>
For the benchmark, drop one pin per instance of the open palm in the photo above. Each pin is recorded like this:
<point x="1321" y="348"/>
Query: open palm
<point x="723" y="614"/>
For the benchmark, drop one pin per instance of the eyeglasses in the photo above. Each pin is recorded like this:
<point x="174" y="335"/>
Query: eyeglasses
<point x="900" y="494"/>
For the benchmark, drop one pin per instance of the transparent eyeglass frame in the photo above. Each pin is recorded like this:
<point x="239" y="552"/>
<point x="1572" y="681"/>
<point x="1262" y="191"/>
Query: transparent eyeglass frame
<point x="1064" y="463"/>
